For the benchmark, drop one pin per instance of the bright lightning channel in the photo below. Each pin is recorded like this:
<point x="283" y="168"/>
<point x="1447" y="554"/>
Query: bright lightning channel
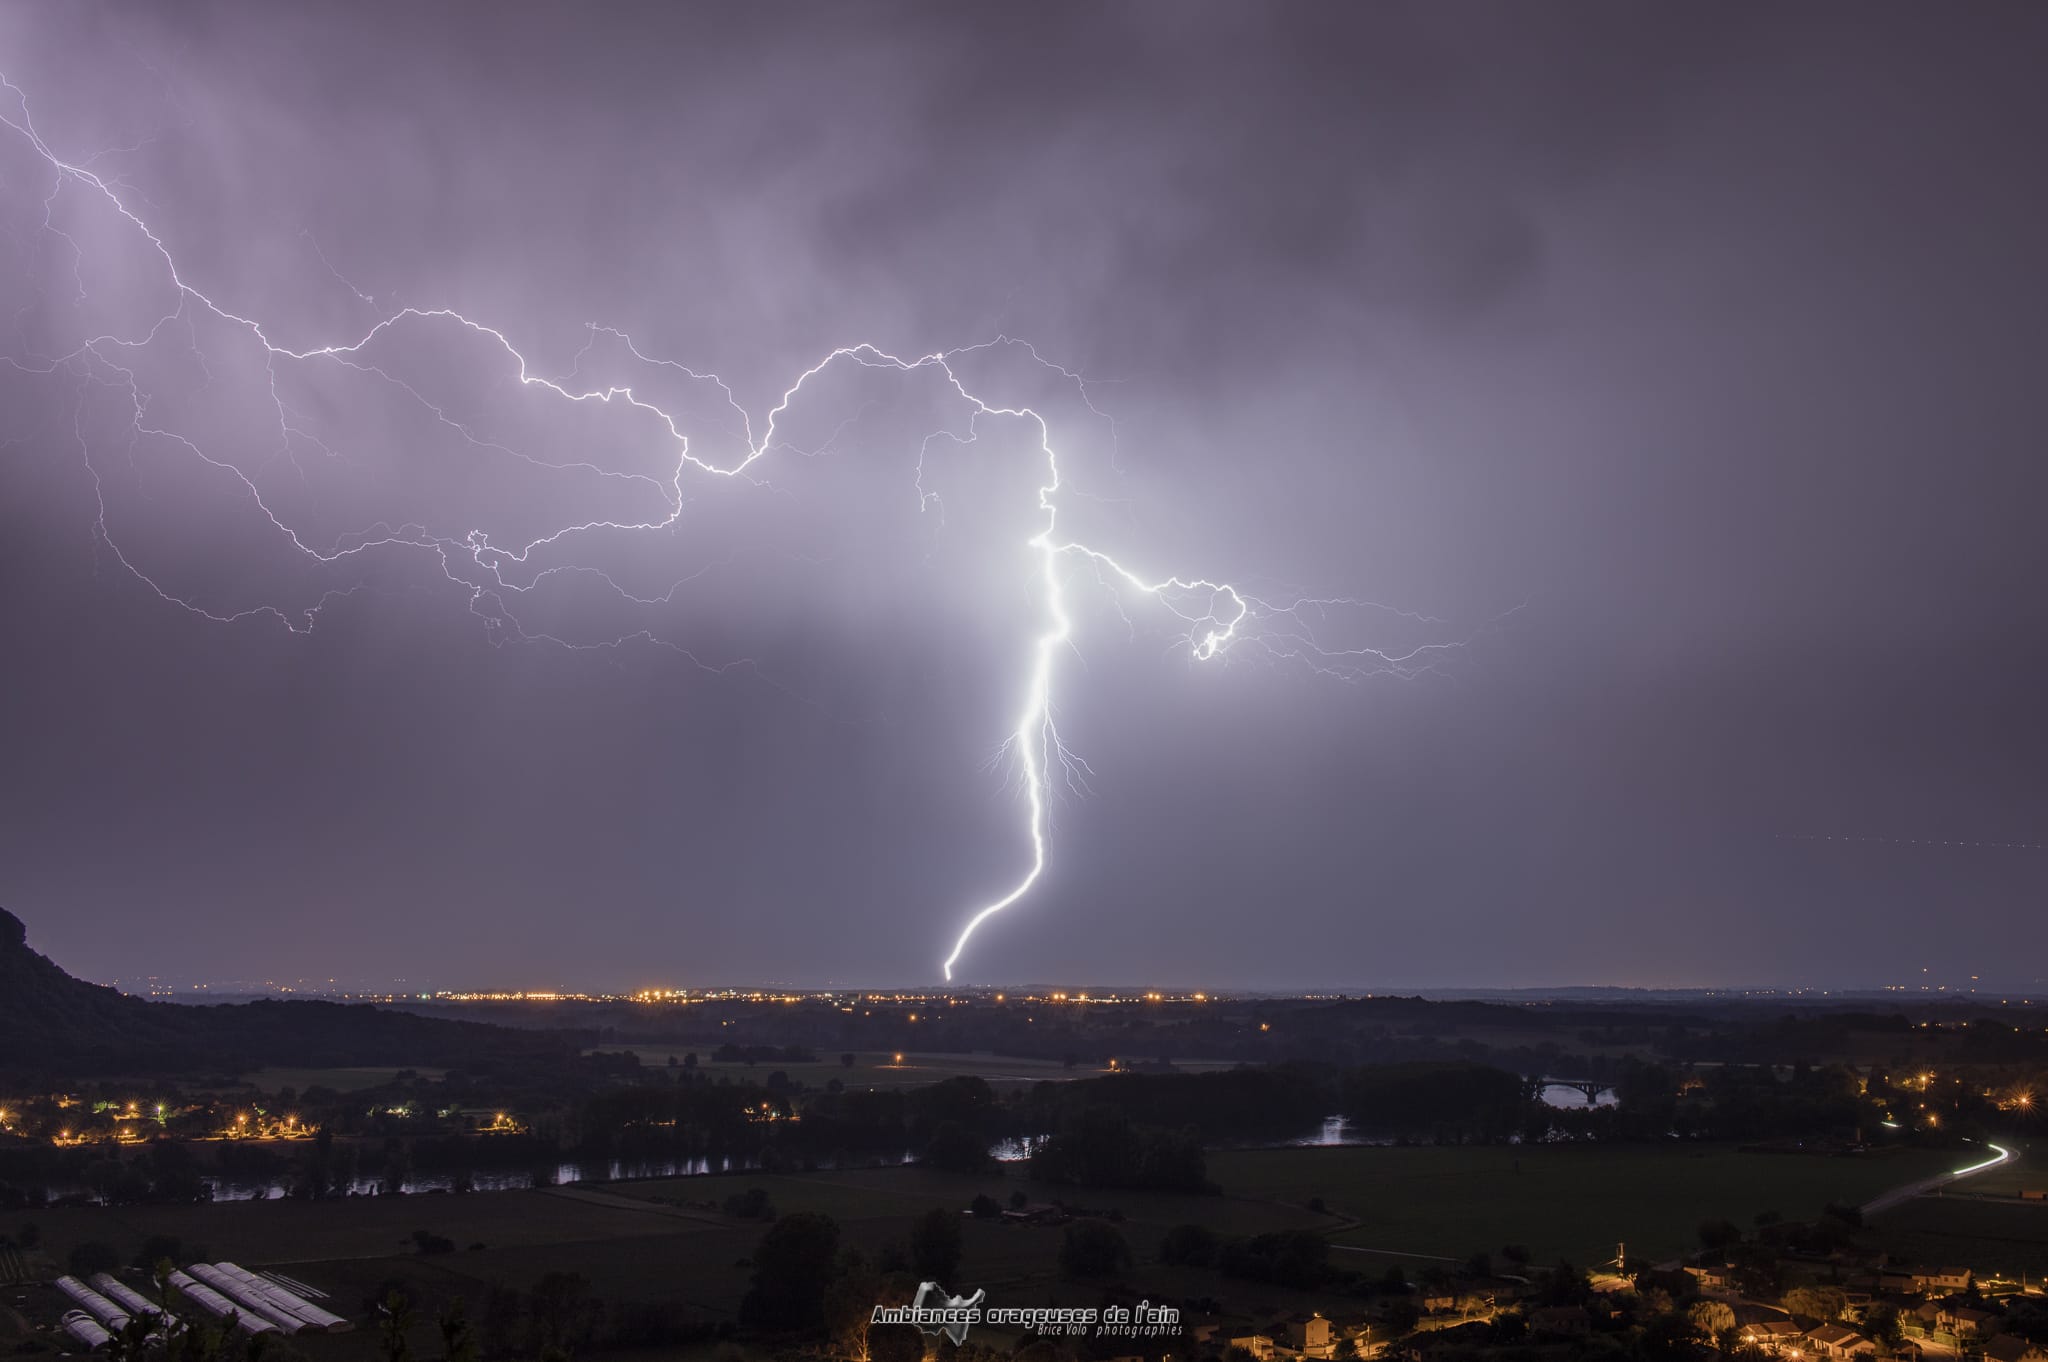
<point x="1217" y="615"/>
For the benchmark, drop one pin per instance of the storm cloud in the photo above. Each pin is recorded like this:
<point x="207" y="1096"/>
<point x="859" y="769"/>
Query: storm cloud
<point x="1682" y="363"/>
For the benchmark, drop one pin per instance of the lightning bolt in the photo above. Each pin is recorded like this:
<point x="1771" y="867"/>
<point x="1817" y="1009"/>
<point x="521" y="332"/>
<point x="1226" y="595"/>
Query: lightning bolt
<point x="1213" y="617"/>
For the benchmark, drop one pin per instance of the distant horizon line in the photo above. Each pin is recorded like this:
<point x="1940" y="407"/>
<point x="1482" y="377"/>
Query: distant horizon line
<point x="400" y="990"/>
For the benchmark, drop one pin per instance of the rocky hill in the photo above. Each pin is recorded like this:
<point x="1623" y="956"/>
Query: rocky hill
<point x="57" y="1027"/>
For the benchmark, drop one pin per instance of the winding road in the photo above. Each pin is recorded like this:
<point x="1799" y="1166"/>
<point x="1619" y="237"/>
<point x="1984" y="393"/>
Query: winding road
<point x="1887" y="1200"/>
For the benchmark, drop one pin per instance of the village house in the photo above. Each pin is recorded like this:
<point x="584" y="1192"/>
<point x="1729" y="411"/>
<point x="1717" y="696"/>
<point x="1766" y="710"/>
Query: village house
<point x="1713" y="1281"/>
<point x="1896" y="1282"/>
<point x="1837" y="1341"/>
<point x="1311" y="1336"/>
<point x="1928" y="1280"/>
<point x="2013" y="1348"/>
<point x="1560" y="1321"/>
<point x="1772" y="1335"/>
<point x="1956" y="1318"/>
<point x="1258" y="1345"/>
<point x="1366" y="1346"/>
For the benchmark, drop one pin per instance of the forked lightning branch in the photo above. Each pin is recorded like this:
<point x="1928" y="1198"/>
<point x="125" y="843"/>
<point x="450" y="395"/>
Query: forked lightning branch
<point x="1211" y="617"/>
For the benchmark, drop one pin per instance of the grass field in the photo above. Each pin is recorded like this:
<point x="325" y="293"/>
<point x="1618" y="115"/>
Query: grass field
<point x="341" y="1080"/>
<point x="667" y="1240"/>
<point x="1575" y="1201"/>
<point x="275" y="1232"/>
<point x="882" y="1069"/>
<point x="857" y="1195"/>
<point x="2026" y="1171"/>
<point x="1571" y="1200"/>
<point x="2008" y="1238"/>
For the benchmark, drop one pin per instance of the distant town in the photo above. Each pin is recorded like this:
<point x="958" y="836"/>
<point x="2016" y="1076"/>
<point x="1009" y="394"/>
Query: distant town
<point x="682" y="1172"/>
<point x="400" y="990"/>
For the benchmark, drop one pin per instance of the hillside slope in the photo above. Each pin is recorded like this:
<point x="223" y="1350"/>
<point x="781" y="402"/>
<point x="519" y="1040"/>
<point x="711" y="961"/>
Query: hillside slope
<point x="52" y="1024"/>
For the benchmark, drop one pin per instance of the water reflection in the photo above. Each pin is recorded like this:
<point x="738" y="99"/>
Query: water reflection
<point x="1334" y="1131"/>
<point x="1017" y="1148"/>
<point x="1564" y="1097"/>
<point x="562" y="1174"/>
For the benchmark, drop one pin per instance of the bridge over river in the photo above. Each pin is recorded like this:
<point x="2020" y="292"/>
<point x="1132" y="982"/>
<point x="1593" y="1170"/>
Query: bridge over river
<point x="1590" y="1089"/>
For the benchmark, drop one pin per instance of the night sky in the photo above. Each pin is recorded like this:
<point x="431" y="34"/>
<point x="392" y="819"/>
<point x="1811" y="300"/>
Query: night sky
<point x="1682" y="366"/>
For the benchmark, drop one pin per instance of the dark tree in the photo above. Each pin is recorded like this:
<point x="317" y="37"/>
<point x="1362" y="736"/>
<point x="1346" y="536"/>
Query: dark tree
<point x="1191" y="1245"/>
<point x="1718" y="1236"/>
<point x="935" y="1246"/>
<point x="93" y="1256"/>
<point x="1099" y="1147"/>
<point x="1668" y="1338"/>
<point x="560" y="1312"/>
<point x="849" y="1304"/>
<point x="1297" y="1259"/>
<point x="394" y="1317"/>
<point x="1564" y="1285"/>
<point x="1093" y="1248"/>
<point x="955" y="1149"/>
<point x="1881" y="1322"/>
<point x="793" y="1265"/>
<point x="503" y="1308"/>
<point x="458" y="1340"/>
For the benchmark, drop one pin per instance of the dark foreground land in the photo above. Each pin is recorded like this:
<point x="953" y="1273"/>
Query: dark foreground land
<point x="1746" y="1166"/>
<point x="674" y="1244"/>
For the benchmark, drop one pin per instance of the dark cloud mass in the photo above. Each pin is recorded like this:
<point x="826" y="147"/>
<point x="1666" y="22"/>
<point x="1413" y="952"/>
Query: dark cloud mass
<point x="1683" y="359"/>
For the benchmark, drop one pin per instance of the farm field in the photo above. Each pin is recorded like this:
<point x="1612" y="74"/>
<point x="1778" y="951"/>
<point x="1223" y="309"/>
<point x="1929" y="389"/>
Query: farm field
<point x="2006" y="1238"/>
<point x="669" y="1241"/>
<point x="854" y="1195"/>
<point x="290" y="1231"/>
<point x="1571" y="1201"/>
<point x="881" y="1069"/>
<point x="353" y="1079"/>
<point x="2026" y="1171"/>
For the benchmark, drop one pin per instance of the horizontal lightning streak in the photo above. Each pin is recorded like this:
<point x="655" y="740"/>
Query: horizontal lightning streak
<point x="1217" y="615"/>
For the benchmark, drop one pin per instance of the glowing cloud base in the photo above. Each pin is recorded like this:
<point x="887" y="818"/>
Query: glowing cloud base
<point x="1216" y="616"/>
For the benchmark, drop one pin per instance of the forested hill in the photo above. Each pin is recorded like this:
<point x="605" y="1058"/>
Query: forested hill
<point x="56" y="1027"/>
